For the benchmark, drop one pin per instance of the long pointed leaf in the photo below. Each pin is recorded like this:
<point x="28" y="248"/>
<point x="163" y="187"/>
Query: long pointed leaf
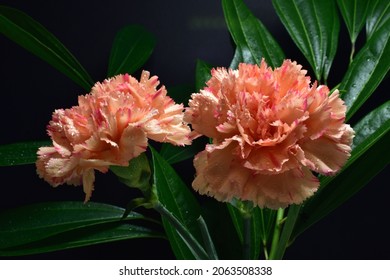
<point x="177" y="198"/>
<point x="354" y="13"/>
<point x="314" y="27"/>
<point x="86" y="236"/>
<point x="20" y="153"/>
<point x="132" y="47"/>
<point x="32" y="36"/>
<point x="253" y="40"/>
<point x="377" y="16"/>
<point x="367" y="70"/>
<point x="39" y="221"/>
<point x="370" y="155"/>
<point x="375" y="123"/>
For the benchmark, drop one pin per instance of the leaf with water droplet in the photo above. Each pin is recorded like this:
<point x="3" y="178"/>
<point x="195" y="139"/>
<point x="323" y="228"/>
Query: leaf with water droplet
<point x="20" y="153"/>
<point x="367" y="71"/>
<point x="37" y="222"/>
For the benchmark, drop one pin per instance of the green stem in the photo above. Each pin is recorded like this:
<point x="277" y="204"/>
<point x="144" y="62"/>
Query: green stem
<point x="207" y="239"/>
<point x="266" y="256"/>
<point x="352" y="53"/>
<point x="276" y="235"/>
<point x="293" y="213"/>
<point x="187" y="237"/>
<point x="247" y="235"/>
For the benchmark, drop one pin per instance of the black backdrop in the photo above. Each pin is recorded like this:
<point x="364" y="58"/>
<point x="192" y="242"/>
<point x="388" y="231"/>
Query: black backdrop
<point x="185" y="31"/>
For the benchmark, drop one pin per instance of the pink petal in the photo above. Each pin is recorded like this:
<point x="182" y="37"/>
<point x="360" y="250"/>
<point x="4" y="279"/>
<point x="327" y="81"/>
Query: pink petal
<point x="280" y="190"/>
<point x="222" y="176"/>
<point x="268" y="128"/>
<point x="324" y="155"/>
<point x="132" y="143"/>
<point x="201" y="114"/>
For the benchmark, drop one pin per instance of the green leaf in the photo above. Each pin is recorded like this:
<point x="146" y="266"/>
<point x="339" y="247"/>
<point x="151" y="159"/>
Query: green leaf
<point x="20" y="153"/>
<point x="367" y="70"/>
<point x="252" y="39"/>
<point x="178" y="199"/>
<point x="132" y="47"/>
<point x="40" y="221"/>
<point x="354" y="13"/>
<point x="374" y="123"/>
<point x="85" y="236"/>
<point x="174" y="154"/>
<point x="208" y="241"/>
<point x="202" y="74"/>
<point x="238" y="58"/>
<point x="377" y="16"/>
<point x="370" y="155"/>
<point x="32" y="36"/>
<point x="314" y="27"/>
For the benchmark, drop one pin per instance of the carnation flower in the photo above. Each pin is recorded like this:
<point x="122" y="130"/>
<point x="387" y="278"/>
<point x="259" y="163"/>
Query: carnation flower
<point x="270" y="129"/>
<point x="110" y="126"/>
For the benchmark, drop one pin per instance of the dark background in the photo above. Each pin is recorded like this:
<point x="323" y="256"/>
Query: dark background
<point x="185" y="31"/>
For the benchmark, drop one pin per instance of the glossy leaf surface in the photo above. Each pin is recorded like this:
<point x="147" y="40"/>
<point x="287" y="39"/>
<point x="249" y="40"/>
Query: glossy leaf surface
<point x="86" y="236"/>
<point x="367" y="71"/>
<point x="354" y="13"/>
<point x="32" y="36"/>
<point x="20" y="153"/>
<point x="37" y="222"/>
<point x="378" y="15"/>
<point x="251" y="37"/>
<point x="314" y="27"/>
<point x="369" y="156"/>
<point x="178" y="199"/>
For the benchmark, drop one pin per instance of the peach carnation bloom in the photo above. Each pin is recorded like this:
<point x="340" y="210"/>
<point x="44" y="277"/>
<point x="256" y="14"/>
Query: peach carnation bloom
<point x="110" y="126"/>
<point x="269" y="129"/>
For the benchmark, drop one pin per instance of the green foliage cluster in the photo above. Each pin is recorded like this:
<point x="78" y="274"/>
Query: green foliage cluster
<point x="262" y="233"/>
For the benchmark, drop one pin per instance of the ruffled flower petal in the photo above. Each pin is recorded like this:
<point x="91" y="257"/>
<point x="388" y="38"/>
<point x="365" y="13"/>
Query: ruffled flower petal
<point x="324" y="155"/>
<point x="270" y="129"/>
<point x="56" y="169"/>
<point x="110" y="126"/>
<point x="222" y="176"/>
<point x="203" y="108"/>
<point x="279" y="191"/>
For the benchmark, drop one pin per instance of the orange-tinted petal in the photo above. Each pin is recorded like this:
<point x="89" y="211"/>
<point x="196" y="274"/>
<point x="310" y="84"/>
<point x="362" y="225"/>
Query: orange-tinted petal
<point x="280" y="190"/>
<point x="324" y="155"/>
<point x="269" y="128"/>
<point x="110" y="126"/>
